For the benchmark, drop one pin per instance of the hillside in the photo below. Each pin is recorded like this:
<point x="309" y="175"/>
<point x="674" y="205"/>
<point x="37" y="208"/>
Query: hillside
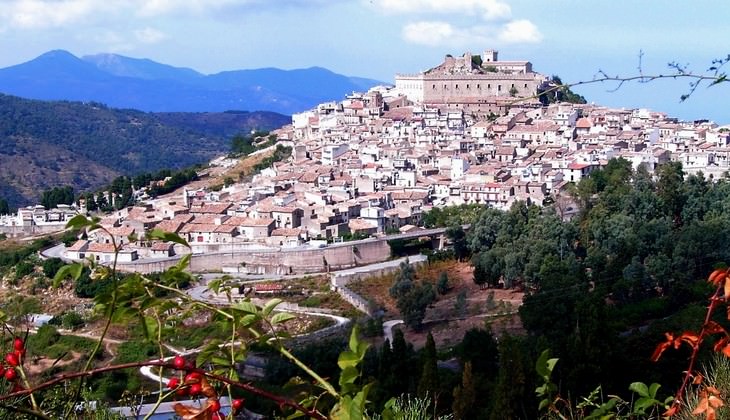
<point x="45" y="144"/>
<point x="125" y="82"/>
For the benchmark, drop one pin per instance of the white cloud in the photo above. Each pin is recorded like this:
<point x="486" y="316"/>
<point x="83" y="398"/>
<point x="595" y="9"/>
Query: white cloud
<point x="487" y="9"/>
<point x="149" y="35"/>
<point x="520" y="31"/>
<point x="440" y="33"/>
<point x="40" y="14"/>
<point x="31" y="14"/>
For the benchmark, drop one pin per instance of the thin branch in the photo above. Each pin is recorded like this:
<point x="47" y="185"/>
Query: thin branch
<point x="282" y="402"/>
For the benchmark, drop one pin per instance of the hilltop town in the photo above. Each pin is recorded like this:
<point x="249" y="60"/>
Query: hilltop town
<point x="471" y="130"/>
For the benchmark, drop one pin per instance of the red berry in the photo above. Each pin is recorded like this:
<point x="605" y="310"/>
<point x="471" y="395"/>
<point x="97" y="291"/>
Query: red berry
<point x="181" y="392"/>
<point x="192" y="377"/>
<point x="216" y="416"/>
<point x="173" y="383"/>
<point x="12" y="359"/>
<point x="179" y="362"/>
<point x="237" y="404"/>
<point x="17" y="388"/>
<point x="214" y="406"/>
<point x="2" y="370"/>
<point x="196" y="389"/>
<point x="11" y="374"/>
<point x="18" y="344"/>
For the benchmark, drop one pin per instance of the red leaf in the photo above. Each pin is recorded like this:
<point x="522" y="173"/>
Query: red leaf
<point x="713" y="327"/>
<point x="659" y="350"/>
<point x="688" y="337"/>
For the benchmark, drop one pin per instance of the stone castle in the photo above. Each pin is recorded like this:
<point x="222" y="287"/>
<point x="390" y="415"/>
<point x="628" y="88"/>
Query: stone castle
<point x="478" y="84"/>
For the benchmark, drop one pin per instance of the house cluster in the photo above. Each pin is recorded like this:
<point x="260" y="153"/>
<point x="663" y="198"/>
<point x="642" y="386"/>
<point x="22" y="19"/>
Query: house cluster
<point x="39" y="216"/>
<point x="375" y="162"/>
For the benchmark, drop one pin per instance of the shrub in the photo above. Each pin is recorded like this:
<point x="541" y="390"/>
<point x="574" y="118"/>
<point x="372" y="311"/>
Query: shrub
<point x="51" y="266"/>
<point x="22" y="269"/>
<point x="72" y="321"/>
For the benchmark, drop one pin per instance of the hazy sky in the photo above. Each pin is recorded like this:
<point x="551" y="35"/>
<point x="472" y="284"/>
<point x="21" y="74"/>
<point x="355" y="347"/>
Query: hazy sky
<point x="377" y="38"/>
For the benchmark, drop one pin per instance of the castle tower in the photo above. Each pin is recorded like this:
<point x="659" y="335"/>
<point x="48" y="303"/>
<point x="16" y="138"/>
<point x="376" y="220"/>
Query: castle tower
<point x="186" y="199"/>
<point x="489" y="56"/>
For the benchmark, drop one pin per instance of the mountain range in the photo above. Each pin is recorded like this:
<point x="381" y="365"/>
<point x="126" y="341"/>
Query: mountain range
<point x="45" y="144"/>
<point x="124" y="82"/>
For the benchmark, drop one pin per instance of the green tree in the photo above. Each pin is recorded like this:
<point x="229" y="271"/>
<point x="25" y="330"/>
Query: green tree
<point x="443" y="283"/>
<point x="4" y="206"/>
<point x="510" y="394"/>
<point x="458" y="241"/>
<point x="429" y="382"/>
<point x="51" y="266"/>
<point x="464" y="395"/>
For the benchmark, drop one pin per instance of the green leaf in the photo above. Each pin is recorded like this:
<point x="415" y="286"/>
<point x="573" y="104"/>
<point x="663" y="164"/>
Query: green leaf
<point x="215" y="285"/>
<point x="354" y="340"/>
<point x="542" y="366"/>
<point x="640" y="388"/>
<point x="167" y="237"/>
<point x="149" y="327"/>
<point x="78" y="222"/>
<point x="71" y="270"/>
<point x="270" y="305"/>
<point x="653" y="389"/>
<point x="642" y="404"/>
<point x="348" y="375"/>
<point x="246" y="306"/>
<point x="347" y="359"/>
<point x="281" y="317"/>
<point x="184" y="262"/>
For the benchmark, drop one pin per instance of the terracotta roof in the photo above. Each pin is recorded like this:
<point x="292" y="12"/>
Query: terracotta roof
<point x="97" y="247"/>
<point x="78" y="245"/>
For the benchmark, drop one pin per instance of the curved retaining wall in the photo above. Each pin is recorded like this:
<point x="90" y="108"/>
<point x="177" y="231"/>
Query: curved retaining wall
<point x="282" y="262"/>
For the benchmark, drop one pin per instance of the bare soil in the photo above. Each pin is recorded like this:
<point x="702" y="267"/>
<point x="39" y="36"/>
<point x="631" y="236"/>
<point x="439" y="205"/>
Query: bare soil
<point x="442" y="319"/>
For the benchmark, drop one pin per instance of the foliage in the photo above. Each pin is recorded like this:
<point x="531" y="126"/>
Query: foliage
<point x="452" y="215"/>
<point x="280" y="153"/>
<point x="244" y="145"/>
<point x="57" y="195"/>
<point x="464" y="395"/>
<point x="51" y="267"/>
<point x="4" y="206"/>
<point x="556" y="91"/>
<point x="443" y="283"/>
<point x="412" y="298"/>
<point x="87" y="145"/>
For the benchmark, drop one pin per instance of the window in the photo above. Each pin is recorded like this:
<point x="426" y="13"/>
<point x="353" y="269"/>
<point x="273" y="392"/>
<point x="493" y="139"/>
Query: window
<point x="499" y="88"/>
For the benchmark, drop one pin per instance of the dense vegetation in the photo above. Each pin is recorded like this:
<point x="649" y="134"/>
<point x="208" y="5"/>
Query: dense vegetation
<point x="57" y="195"/>
<point x="243" y="145"/>
<point x="280" y="153"/>
<point x="557" y="92"/>
<point x="604" y="287"/>
<point x="46" y="144"/>
<point x="224" y="124"/>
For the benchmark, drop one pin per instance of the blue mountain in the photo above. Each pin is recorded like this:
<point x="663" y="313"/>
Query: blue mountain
<point x="124" y="82"/>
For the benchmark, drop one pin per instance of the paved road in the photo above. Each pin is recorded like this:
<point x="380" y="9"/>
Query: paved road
<point x="388" y="329"/>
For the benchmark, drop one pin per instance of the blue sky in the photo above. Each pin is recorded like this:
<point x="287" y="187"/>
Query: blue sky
<point x="377" y="38"/>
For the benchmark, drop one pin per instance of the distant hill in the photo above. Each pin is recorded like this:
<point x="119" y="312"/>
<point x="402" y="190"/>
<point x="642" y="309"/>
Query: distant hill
<point x="143" y="84"/>
<point x="85" y="145"/>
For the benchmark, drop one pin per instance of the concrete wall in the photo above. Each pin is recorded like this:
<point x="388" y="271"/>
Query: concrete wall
<point x="19" y="231"/>
<point x="284" y="261"/>
<point x="342" y="279"/>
